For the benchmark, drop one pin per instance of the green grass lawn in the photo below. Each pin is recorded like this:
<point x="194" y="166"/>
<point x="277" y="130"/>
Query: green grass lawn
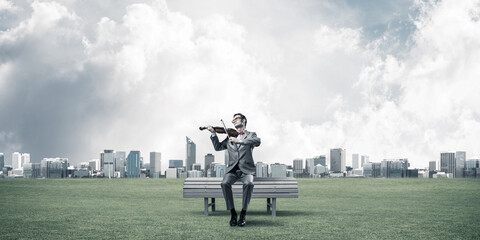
<point x="156" y="209"/>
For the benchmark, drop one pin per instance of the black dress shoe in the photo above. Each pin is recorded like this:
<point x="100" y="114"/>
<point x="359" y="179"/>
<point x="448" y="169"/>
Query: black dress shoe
<point x="233" y="220"/>
<point x="242" y="221"/>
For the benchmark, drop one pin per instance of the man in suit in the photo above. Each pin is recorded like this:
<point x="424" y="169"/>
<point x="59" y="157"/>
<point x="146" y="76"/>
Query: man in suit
<point x="240" y="165"/>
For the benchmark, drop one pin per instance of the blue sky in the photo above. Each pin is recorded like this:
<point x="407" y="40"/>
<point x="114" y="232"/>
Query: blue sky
<point x="388" y="79"/>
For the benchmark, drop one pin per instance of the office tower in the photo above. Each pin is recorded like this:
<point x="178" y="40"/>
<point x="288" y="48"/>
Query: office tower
<point x="394" y="168"/>
<point x="432" y="166"/>
<point x="460" y="158"/>
<point x="191" y="153"/>
<point x="31" y="170"/>
<point x="196" y="166"/>
<point x="278" y="170"/>
<point x="320" y="160"/>
<point x="319" y="170"/>
<point x="309" y="165"/>
<point x="120" y="158"/>
<point x="108" y="157"/>
<point x="261" y="169"/>
<point x="155" y="164"/>
<point x="220" y="170"/>
<point x="175" y="163"/>
<point x="472" y="168"/>
<point x="371" y="169"/>
<point x="364" y="159"/>
<point x="54" y="167"/>
<point x="337" y="160"/>
<point x="133" y="164"/>
<point x="447" y="162"/>
<point x="94" y="164"/>
<point x="209" y="159"/>
<point x="16" y="160"/>
<point x="355" y="159"/>
<point x="2" y="161"/>
<point x="298" y="167"/>
<point x="25" y="158"/>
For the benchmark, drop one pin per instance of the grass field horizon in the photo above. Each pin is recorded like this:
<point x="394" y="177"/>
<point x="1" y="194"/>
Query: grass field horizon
<point x="155" y="208"/>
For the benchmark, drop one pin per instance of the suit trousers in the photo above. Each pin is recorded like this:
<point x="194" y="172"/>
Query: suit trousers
<point x="232" y="177"/>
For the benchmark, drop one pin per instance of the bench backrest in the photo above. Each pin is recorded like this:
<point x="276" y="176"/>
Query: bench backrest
<point x="264" y="188"/>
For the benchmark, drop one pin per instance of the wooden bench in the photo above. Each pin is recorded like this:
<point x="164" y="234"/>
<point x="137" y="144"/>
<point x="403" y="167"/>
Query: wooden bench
<point x="269" y="188"/>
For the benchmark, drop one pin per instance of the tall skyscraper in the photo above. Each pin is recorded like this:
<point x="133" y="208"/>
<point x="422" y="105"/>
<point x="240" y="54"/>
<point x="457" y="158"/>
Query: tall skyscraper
<point x="16" y="160"/>
<point x="120" y="158"/>
<point x="309" y="165"/>
<point x="338" y="160"/>
<point x="447" y="162"/>
<point x="191" y="153"/>
<point x="298" y="167"/>
<point x="175" y="163"/>
<point x="133" y="164"/>
<point x="261" y="169"/>
<point x="25" y="159"/>
<point x="355" y="159"/>
<point x="108" y="163"/>
<point x="2" y="161"/>
<point x="432" y="166"/>
<point x="209" y="159"/>
<point x="155" y="164"/>
<point x="460" y="158"/>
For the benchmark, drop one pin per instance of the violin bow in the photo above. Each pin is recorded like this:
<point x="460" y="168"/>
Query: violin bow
<point x="225" y="127"/>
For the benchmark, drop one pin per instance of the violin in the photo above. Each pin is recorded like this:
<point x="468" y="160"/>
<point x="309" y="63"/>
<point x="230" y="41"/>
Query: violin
<point x="231" y="132"/>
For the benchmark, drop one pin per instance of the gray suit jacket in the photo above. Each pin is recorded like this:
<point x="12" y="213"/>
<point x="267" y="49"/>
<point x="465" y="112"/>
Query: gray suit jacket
<point x="239" y="153"/>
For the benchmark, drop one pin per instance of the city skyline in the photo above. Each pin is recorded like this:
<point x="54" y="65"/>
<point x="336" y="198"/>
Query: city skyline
<point x="387" y="79"/>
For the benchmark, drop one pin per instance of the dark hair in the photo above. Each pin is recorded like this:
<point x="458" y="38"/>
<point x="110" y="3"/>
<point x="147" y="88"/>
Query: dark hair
<point x="242" y="117"/>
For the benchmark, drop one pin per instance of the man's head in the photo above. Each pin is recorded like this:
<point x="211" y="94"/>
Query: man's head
<point x="239" y="120"/>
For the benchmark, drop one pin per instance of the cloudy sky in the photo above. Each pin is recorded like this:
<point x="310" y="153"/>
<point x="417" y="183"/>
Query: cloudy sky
<point x="388" y="79"/>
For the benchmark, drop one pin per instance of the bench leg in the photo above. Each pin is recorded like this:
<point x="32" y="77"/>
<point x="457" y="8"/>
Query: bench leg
<point x="274" y="206"/>
<point x="213" y="204"/>
<point x="268" y="205"/>
<point x="205" y="204"/>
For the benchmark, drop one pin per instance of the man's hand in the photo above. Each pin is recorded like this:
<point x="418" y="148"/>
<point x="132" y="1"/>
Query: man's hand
<point x="234" y="140"/>
<point x="210" y="128"/>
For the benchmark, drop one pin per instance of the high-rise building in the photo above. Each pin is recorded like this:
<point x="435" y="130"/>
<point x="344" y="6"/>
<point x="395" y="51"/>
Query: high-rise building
<point x="94" y="164"/>
<point x="298" y="167"/>
<point x="309" y="165"/>
<point x="25" y="159"/>
<point x="108" y="163"/>
<point x="120" y="158"/>
<point x="338" y="160"/>
<point x="2" y="161"/>
<point x="261" y="169"/>
<point x="16" y="160"/>
<point x="133" y="164"/>
<point x="394" y="168"/>
<point x="31" y="170"/>
<point x="278" y="170"/>
<point x="155" y="164"/>
<point x="175" y="163"/>
<point x="355" y="159"/>
<point x="320" y="160"/>
<point x="191" y="153"/>
<point x="209" y="159"/>
<point x="447" y="162"/>
<point x="220" y="170"/>
<point x="364" y="159"/>
<point x="54" y="167"/>
<point x="371" y="169"/>
<point x="460" y="158"/>
<point x="432" y="166"/>
<point x="196" y="167"/>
